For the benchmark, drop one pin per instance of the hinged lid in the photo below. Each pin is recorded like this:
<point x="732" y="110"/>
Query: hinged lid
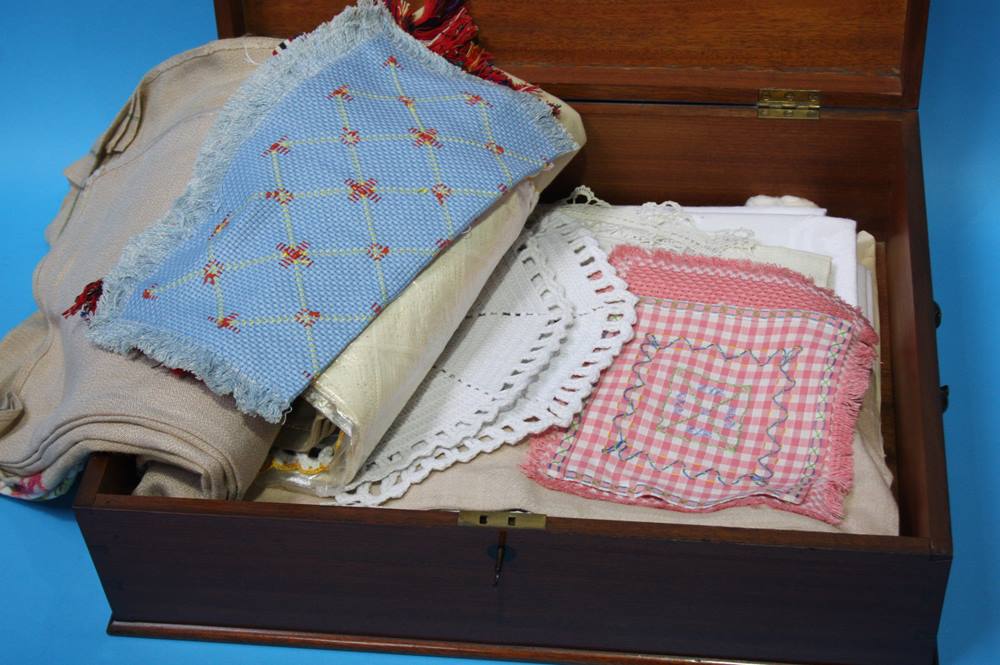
<point x="858" y="53"/>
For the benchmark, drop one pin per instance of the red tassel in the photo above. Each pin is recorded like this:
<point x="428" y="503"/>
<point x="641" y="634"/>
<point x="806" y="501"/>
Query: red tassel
<point x="447" y="28"/>
<point x="86" y="303"/>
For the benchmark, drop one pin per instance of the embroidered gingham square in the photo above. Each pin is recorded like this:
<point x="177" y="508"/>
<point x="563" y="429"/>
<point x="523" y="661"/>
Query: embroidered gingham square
<point x="741" y="386"/>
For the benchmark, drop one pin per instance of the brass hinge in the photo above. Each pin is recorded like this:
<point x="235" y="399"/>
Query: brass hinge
<point x="788" y="104"/>
<point x="501" y="519"/>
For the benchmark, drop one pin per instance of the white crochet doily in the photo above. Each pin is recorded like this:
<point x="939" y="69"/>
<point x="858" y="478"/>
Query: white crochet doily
<point x="603" y="314"/>
<point x="508" y="336"/>
<point x="652" y="225"/>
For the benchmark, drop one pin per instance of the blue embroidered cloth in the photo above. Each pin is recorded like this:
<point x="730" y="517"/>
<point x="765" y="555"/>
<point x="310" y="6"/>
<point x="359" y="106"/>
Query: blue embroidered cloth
<point x="329" y="182"/>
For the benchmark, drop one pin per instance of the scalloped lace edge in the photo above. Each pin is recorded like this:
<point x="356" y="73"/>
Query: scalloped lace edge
<point x="618" y="305"/>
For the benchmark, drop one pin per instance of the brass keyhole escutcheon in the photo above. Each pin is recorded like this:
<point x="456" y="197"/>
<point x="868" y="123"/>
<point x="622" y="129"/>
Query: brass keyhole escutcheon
<point x="501" y="553"/>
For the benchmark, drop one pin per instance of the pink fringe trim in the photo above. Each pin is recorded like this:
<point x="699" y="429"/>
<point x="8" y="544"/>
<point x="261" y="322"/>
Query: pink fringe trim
<point x="834" y="476"/>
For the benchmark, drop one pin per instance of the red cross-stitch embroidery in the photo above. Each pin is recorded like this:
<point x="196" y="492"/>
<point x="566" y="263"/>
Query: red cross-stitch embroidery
<point x="473" y="100"/>
<point x="279" y="147"/>
<point x="392" y="62"/>
<point x="377" y="308"/>
<point x="295" y="254"/>
<point x="441" y="192"/>
<point x="377" y="252"/>
<point x="307" y="317"/>
<point x="362" y="190"/>
<point x="443" y="243"/>
<point x="149" y="293"/>
<point x="494" y="147"/>
<point x="406" y="101"/>
<point x="280" y="195"/>
<point x="427" y="136"/>
<point x="226" y="322"/>
<point x="211" y="272"/>
<point x="342" y="92"/>
<point x="350" y="137"/>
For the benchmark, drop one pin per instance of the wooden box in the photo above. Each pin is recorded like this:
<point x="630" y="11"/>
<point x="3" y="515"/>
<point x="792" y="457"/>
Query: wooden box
<point x="670" y="93"/>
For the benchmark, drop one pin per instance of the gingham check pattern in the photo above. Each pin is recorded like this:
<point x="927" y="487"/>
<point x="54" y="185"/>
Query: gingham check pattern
<point x="342" y="195"/>
<point x="714" y="403"/>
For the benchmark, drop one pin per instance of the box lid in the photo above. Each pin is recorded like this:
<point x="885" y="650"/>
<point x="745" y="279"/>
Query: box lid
<point x="857" y="53"/>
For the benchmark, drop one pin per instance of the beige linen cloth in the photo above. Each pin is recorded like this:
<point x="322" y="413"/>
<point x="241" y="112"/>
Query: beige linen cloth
<point x="66" y="397"/>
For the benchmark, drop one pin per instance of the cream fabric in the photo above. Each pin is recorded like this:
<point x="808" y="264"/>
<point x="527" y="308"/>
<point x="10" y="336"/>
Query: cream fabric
<point x="371" y="381"/>
<point x="74" y="398"/>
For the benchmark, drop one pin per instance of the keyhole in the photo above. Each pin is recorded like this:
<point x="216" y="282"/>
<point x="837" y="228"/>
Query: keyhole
<point x="500" y="553"/>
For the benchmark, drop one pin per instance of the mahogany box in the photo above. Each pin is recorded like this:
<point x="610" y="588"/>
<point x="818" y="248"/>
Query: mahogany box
<point x="706" y="103"/>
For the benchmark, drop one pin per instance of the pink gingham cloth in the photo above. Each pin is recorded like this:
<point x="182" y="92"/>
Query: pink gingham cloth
<point x="741" y="387"/>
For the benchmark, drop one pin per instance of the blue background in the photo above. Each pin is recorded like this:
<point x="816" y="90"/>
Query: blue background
<point x="65" y="69"/>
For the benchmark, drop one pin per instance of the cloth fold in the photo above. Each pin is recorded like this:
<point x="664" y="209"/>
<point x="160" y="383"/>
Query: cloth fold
<point x="77" y="398"/>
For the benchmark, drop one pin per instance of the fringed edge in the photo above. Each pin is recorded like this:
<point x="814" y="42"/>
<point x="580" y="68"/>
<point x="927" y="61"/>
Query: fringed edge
<point x="236" y="122"/>
<point x="836" y="477"/>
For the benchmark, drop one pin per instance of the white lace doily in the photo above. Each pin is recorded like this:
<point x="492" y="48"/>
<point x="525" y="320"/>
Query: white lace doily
<point x="652" y="225"/>
<point x="505" y="340"/>
<point x="603" y="313"/>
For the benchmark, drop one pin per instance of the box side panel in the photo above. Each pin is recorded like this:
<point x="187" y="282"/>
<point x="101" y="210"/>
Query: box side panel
<point x="556" y="590"/>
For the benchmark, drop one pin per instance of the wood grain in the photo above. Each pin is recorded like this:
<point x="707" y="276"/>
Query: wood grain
<point x="860" y="53"/>
<point x="397" y="645"/>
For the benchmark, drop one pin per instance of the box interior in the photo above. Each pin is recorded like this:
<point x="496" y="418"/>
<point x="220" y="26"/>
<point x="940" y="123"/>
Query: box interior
<point x="859" y="164"/>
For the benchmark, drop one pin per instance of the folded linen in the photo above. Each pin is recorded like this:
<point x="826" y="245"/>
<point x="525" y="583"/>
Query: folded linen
<point x="549" y="321"/>
<point x="367" y="386"/>
<point x="331" y="179"/>
<point x="668" y="226"/>
<point x="73" y="398"/>
<point x="742" y="387"/>
<point x="803" y="229"/>
<point x="495" y="482"/>
<point x="734" y="232"/>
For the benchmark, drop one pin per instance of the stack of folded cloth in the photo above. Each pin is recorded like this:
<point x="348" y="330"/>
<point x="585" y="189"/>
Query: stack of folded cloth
<point x="786" y="232"/>
<point x="241" y="288"/>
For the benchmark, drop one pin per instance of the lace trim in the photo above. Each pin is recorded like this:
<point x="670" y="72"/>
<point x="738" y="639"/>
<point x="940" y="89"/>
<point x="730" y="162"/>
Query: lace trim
<point x="545" y="345"/>
<point x="603" y="322"/>
<point x="653" y="225"/>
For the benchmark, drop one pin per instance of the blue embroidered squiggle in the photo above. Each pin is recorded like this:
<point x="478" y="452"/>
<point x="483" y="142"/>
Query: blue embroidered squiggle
<point x="621" y="445"/>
